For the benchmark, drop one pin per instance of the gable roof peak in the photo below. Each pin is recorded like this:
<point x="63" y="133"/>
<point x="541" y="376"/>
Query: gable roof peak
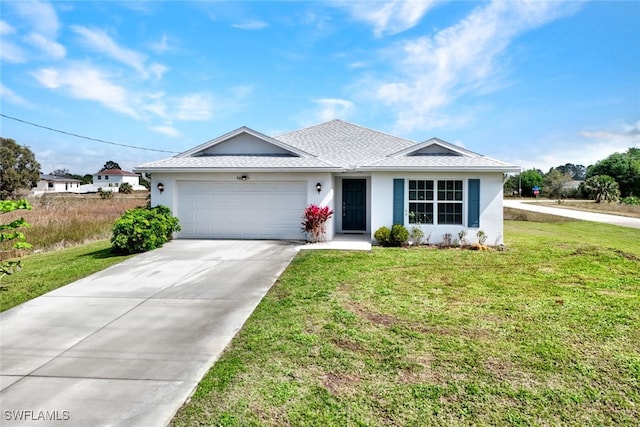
<point x="295" y="151"/>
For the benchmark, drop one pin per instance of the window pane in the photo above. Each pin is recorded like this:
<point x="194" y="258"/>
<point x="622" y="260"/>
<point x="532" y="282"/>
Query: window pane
<point x="450" y="213"/>
<point x="412" y="195"/>
<point x="450" y="190"/>
<point x="412" y="185"/>
<point x="421" y="213"/>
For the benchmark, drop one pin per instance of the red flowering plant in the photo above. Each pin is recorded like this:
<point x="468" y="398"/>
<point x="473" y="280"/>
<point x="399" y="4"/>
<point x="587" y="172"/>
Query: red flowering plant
<point x="315" y="218"/>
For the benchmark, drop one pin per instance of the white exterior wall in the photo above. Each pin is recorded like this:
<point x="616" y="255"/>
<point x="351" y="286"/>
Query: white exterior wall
<point x="490" y="205"/>
<point x="169" y="196"/>
<point x="58" y="187"/>
<point x="114" y="179"/>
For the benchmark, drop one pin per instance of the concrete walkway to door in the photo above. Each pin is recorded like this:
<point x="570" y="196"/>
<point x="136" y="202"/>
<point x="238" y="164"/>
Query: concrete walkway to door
<point x="128" y="345"/>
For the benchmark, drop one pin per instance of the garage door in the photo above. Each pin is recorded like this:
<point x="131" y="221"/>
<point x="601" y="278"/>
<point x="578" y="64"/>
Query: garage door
<point x="241" y="210"/>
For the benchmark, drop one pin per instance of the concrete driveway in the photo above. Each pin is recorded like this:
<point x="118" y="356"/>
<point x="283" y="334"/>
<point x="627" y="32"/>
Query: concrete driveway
<point x="128" y="345"/>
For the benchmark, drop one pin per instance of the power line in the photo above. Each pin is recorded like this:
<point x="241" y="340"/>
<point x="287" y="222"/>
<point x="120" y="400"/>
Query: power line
<point x="86" y="137"/>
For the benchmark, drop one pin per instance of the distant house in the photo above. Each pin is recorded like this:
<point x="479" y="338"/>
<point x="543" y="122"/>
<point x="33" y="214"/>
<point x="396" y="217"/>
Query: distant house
<point x="114" y="178"/>
<point x="111" y="180"/>
<point x="56" y="184"/>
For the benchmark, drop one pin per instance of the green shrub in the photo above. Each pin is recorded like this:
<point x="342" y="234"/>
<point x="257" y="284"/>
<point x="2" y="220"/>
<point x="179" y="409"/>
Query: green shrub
<point x="631" y="200"/>
<point x="383" y="236"/>
<point x="126" y="188"/>
<point x="399" y="235"/>
<point x="143" y="229"/>
<point x="416" y="234"/>
<point x="105" y="194"/>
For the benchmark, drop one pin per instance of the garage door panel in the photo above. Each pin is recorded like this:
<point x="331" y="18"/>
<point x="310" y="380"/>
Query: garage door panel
<point x="245" y="210"/>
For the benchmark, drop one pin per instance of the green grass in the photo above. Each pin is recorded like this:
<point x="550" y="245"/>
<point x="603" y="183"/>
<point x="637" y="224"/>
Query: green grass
<point x="546" y="332"/>
<point x="44" y="272"/>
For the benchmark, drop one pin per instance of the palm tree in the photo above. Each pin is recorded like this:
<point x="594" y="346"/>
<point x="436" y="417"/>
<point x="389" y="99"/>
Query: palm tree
<point x="603" y="188"/>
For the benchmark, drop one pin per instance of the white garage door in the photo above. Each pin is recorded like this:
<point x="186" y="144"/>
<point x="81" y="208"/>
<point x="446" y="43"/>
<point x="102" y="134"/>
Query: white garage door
<point x="241" y="210"/>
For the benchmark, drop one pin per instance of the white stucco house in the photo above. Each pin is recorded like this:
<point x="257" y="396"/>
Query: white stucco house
<point x="247" y="185"/>
<point x="55" y="184"/>
<point x="114" y="178"/>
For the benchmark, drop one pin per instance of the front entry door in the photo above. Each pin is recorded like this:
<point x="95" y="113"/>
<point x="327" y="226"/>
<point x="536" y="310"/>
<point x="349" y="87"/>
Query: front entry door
<point x="354" y="204"/>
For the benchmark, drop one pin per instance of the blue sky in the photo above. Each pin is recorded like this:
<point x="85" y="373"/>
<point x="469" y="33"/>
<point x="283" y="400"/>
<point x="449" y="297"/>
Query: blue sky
<point x="536" y="84"/>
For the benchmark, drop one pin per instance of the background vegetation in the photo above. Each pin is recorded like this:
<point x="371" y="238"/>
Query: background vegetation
<point x="59" y="220"/>
<point x="617" y="176"/>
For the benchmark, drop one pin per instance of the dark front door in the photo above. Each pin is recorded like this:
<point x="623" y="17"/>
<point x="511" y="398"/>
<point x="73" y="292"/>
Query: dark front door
<point x="354" y="204"/>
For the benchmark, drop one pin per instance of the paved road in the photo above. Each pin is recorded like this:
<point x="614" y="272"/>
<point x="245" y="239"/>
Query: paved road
<point x="128" y="345"/>
<point x="586" y="216"/>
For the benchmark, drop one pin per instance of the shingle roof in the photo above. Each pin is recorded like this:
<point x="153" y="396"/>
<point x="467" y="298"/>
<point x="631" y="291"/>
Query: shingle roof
<point x="344" y="143"/>
<point x="54" y="178"/>
<point x="439" y="163"/>
<point x="118" y="172"/>
<point x="239" y="162"/>
<point x="337" y="146"/>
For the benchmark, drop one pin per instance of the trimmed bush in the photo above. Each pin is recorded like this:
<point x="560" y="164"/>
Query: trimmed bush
<point x="399" y="235"/>
<point x="383" y="236"/>
<point x="143" y="229"/>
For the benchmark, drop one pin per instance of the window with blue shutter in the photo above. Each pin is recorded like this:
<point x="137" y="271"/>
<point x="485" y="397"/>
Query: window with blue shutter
<point x="398" y="201"/>
<point x="473" y="203"/>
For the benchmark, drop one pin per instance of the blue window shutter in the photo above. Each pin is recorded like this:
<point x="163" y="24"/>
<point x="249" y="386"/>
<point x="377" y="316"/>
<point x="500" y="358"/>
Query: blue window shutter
<point x="398" y="201"/>
<point x="474" y="203"/>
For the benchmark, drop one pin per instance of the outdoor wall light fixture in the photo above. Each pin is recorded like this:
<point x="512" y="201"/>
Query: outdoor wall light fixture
<point x="242" y="178"/>
<point x="319" y="187"/>
<point x="160" y="187"/>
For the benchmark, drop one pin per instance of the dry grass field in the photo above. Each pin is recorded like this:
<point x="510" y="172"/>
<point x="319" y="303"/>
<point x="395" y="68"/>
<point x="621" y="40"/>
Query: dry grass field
<point x="59" y="221"/>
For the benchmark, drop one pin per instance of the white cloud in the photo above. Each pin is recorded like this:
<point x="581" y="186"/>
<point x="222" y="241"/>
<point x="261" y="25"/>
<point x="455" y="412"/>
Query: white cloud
<point x="167" y="130"/>
<point x="629" y="134"/>
<point x="585" y="148"/>
<point x="52" y="49"/>
<point x="157" y="70"/>
<point x="193" y="108"/>
<point x="9" y="95"/>
<point x="43" y="25"/>
<point x="461" y="60"/>
<point x="83" y="81"/>
<point x="5" y="28"/>
<point x="41" y="16"/>
<point x="388" y="17"/>
<point x="100" y="41"/>
<point x="251" y="25"/>
<point x="161" y="46"/>
<point x="332" y="108"/>
<point x="12" y="53"/>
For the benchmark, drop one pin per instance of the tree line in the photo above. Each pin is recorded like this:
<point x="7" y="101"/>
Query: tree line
<point x="615" y="178"/>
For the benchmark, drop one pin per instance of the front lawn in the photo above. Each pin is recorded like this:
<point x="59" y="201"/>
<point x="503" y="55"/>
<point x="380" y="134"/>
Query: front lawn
<point x="45" y="272"/>
<point x="544" y="333"/>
